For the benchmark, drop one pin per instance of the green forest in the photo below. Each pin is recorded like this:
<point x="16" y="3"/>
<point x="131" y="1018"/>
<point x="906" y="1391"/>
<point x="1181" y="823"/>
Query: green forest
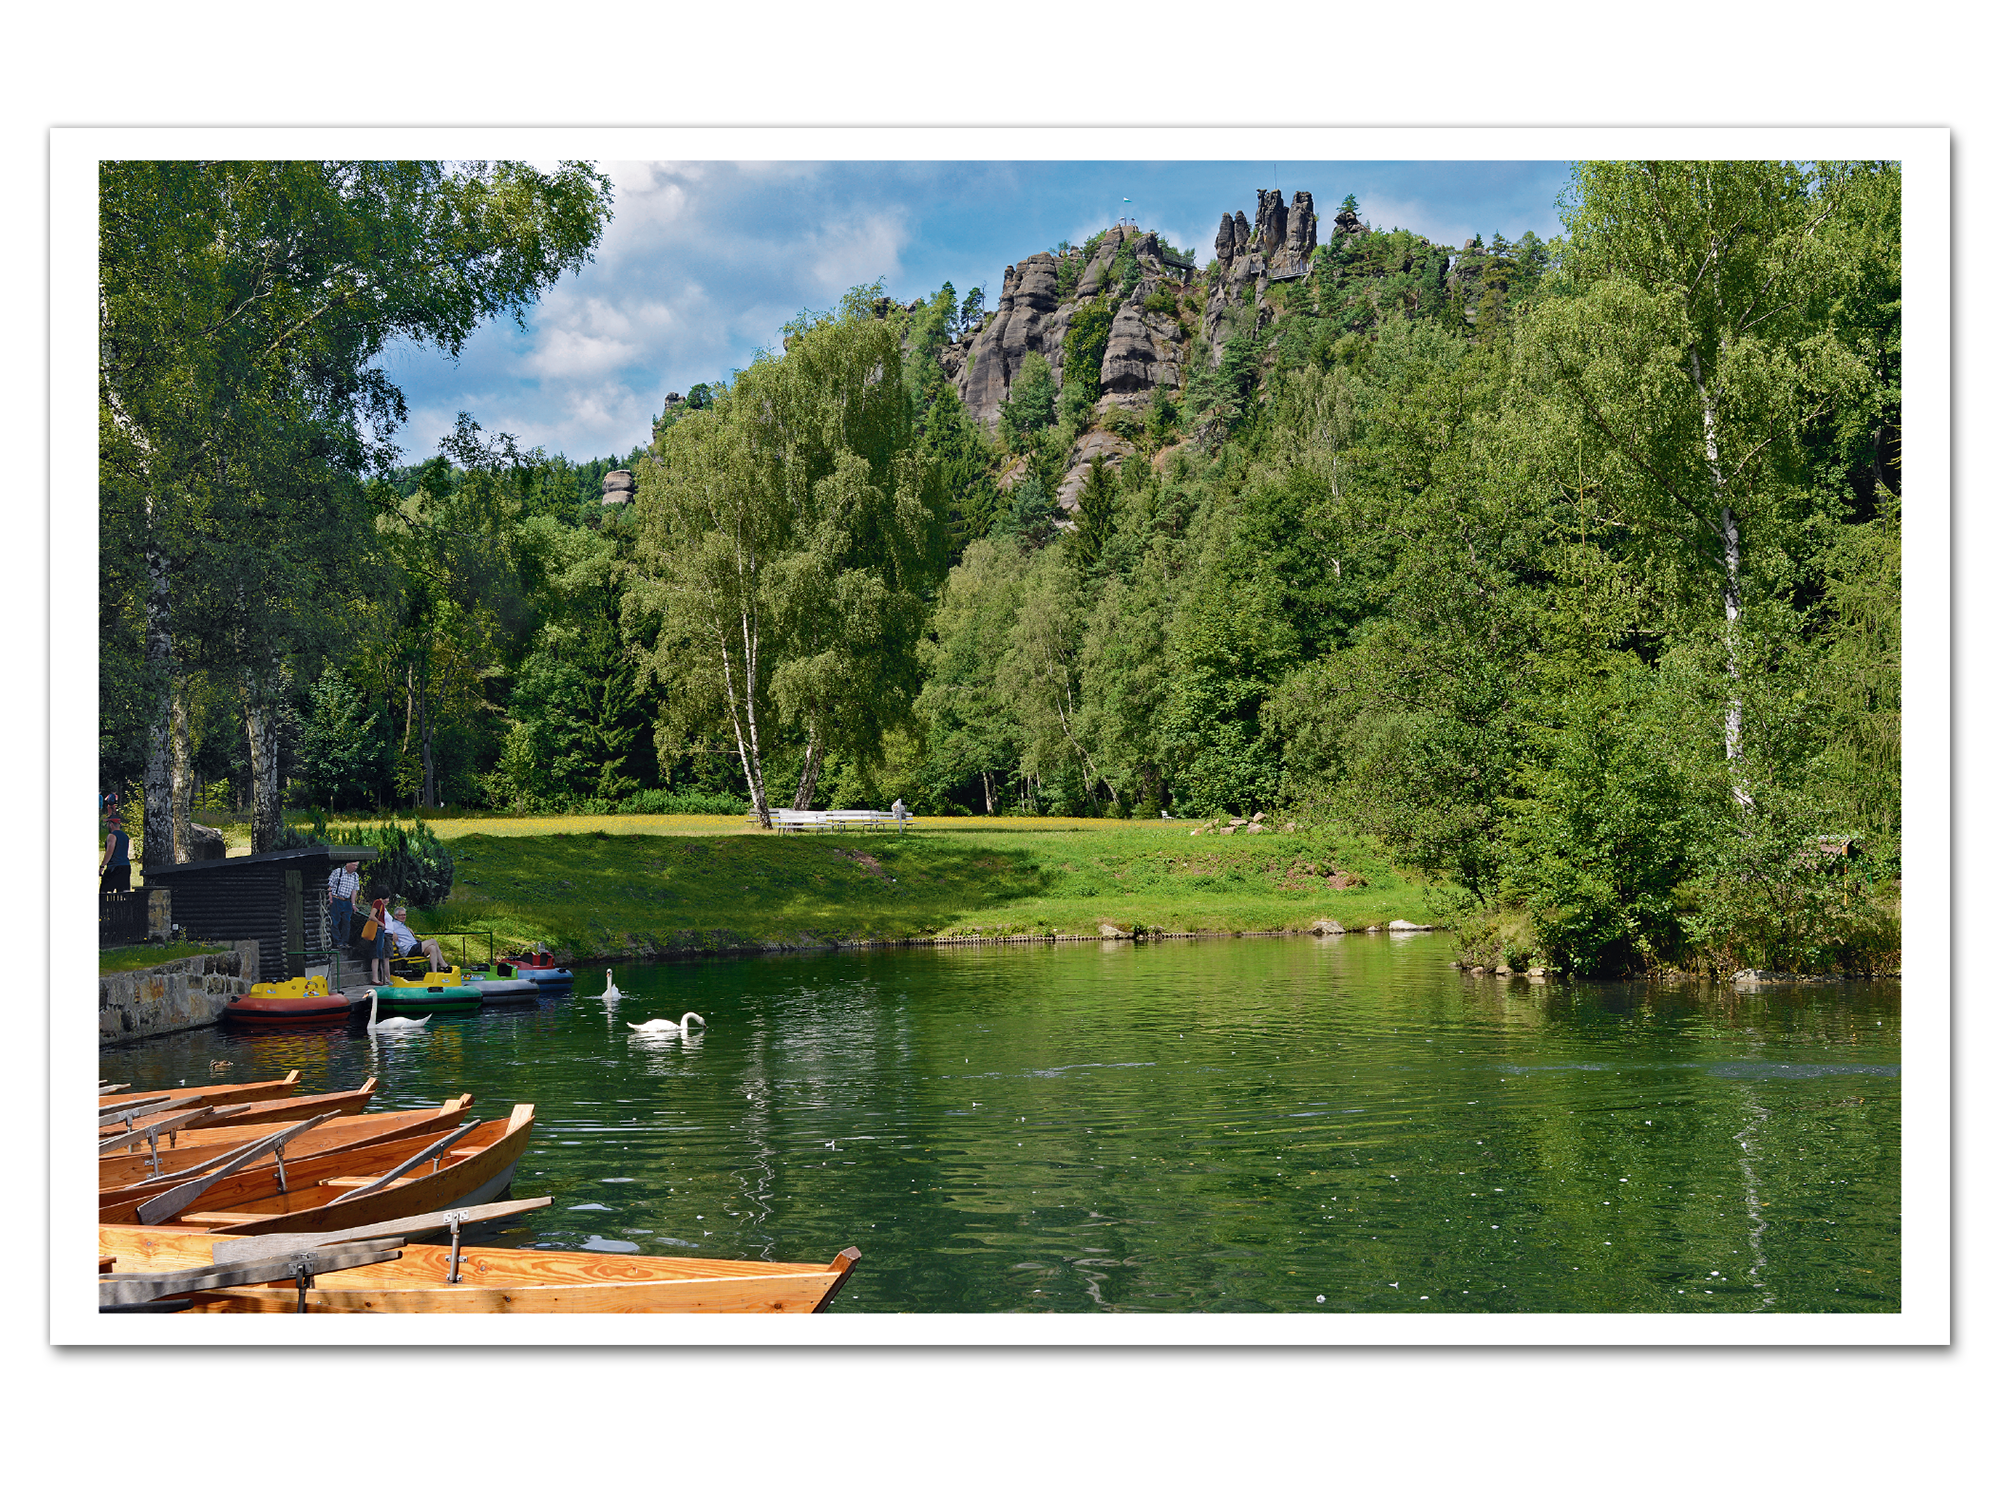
<point x="1566" y="572"/>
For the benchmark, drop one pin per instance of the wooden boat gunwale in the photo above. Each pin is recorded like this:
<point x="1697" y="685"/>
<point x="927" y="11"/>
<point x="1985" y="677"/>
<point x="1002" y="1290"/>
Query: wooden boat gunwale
<point x="297" y="1107"/>
<point x="480" y="1174"/>
<point x="224" y="1093"/>
<point x="258" y="1179"/>
<point x="131" y="1171"/>
<point x="509" y="1280"/>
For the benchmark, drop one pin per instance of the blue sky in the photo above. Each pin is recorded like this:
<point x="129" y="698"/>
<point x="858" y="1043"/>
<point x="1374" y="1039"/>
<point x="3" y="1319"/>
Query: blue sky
<point x="703" y="262"/>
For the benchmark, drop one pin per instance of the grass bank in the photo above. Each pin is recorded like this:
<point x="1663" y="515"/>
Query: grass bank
<point x="146" y="955"/>
<point x="617" y="887"/>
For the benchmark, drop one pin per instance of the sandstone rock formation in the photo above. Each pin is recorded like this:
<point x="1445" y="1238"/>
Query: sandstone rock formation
<point x="1019" y="325"/>
<point x="1279" y="248"/>
<point x="620" y="488"/>
<point x="1096" y="443"/>
<point x="1144" y="351"/>
<point x="1031" y="317"/>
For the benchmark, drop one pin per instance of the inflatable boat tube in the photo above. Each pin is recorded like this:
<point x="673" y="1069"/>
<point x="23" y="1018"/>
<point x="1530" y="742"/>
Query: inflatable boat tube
<point x="281" y="1010"/>
<point x="436" y="1000"/>
<point x="549" y="974"/>
<point x="505" y="991"/>
<point x="546" y="978"/>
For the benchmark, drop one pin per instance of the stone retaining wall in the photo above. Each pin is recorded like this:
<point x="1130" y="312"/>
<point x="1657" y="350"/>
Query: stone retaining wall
<point x="179" y="996"/>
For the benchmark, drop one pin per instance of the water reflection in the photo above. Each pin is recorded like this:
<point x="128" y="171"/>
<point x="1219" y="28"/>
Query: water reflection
<point x="1188" y="1126"/>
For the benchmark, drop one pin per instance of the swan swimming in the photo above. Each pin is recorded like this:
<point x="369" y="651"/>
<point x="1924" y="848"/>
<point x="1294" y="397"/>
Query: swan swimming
<point x="610" y="989"/>
<point x="662" y="1028"/>
<point x="401" y="1025"/>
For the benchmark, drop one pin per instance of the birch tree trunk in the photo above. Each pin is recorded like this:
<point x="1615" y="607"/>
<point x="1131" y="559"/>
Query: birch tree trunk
<point x="743" y="715"/>
<point x="808" y="786"/>
<point x="261" y="733"/>
<point x="164" y="822"/>
<point x="1732" y="582"/>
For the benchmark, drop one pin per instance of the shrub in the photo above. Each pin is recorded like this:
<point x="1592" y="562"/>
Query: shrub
<point x="1030" y="405"/>
<point x="684" y="803"/>
<point x="412" y="865"/>
<point x="1084" y="343"/>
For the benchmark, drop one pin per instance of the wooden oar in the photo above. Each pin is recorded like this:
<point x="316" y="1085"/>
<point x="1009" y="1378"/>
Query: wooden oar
<point x="135" y="1189"/>
<point x="133" y="1109"/>
<point x="172" y="1125"/>
<point x="135" y="1287"/>
<point x="393" y="1173"/>
<point x="117" y="1104"/>
<point x="250" y="1246"/>
<point x="171" y="1202"/>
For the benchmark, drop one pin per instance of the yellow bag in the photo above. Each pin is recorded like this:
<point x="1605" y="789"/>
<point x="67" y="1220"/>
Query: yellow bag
<point x="368" y="930"/>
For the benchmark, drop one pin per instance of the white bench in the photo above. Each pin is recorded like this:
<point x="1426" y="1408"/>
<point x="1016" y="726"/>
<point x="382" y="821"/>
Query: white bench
<point x="786" y="820"/>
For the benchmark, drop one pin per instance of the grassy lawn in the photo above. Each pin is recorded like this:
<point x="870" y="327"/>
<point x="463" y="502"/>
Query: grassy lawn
<point x="145" y="955"/>
<point x="628" y="886"/>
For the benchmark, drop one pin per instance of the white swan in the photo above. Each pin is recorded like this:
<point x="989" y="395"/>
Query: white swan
<point x="662" y="1028"/>
<point x="610" y="989"/>
<point x="401" y="1025"/>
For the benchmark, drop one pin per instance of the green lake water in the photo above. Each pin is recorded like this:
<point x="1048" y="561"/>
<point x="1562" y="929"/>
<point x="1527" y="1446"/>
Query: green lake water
<point x="1251" y="1125"/>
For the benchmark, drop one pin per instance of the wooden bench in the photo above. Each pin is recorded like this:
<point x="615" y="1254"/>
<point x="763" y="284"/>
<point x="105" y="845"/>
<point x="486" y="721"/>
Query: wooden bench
<point x="786" y="820"/>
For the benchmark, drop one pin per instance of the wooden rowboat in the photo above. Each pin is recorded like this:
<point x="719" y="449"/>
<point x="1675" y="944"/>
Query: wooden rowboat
<point x="126" y="1170"/>
<point x="471" y="1165"/>
<point x="275" y="1111"/>
<point x="221" y="1093"/>
<point x="504" y="1281"/>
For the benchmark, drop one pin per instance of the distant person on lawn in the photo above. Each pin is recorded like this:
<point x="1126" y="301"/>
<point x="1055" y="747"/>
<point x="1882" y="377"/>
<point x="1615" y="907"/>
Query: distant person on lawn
<point x="114" y="871"/>
<point x="343" y="899"/>
<point x="407" y="942"/>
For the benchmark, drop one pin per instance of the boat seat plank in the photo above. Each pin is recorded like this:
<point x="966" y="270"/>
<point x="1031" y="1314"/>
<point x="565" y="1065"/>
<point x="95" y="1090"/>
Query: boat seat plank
<point x="145" y="1286"/>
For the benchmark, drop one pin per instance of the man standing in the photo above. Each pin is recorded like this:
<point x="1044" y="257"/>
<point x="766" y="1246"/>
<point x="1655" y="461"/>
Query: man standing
<point x="114" y="871"/>
<point x="343" y="899"/>
<point x="407" y="941"/>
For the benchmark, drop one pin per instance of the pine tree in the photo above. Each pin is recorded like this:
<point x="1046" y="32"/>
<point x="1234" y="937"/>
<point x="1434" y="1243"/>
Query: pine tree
<point x="1096" y="515"/>
<point x="338" y="751"/>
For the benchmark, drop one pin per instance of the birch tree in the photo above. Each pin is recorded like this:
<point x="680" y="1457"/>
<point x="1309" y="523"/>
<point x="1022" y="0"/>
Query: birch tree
<point x="1686" y="351"/>
<point x="787" y="535"/>
<point x="243" y="308"/>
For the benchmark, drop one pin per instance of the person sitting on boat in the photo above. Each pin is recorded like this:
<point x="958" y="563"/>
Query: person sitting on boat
<point x="407" y="942"/>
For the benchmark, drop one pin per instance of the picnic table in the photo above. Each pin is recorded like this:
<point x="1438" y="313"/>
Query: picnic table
<point x="786" y="820"/>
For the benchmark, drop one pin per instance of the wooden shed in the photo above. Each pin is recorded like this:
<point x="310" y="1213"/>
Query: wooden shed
<point x="275" y="898"/>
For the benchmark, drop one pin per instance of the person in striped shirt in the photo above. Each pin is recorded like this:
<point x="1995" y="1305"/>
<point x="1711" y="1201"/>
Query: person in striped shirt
<point x="343" y="899"/>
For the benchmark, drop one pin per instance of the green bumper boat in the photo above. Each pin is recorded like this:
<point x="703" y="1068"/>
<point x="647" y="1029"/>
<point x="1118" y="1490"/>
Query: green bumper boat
<point x="435" y="994"/>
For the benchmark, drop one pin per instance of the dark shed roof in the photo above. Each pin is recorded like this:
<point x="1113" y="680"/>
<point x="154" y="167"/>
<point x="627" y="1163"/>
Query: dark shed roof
<point x="338" y="854"/>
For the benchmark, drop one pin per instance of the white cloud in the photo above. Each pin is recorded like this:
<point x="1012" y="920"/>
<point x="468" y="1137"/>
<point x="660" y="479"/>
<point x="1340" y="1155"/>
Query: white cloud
<point x="704" y="262"/>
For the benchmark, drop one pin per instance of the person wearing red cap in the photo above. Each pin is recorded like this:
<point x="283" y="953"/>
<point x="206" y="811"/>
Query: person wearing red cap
<point x="114" y="871"/>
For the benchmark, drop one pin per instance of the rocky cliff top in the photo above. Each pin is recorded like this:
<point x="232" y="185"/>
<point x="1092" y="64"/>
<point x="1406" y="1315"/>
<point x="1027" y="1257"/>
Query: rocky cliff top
<point x="1164" y="316"/>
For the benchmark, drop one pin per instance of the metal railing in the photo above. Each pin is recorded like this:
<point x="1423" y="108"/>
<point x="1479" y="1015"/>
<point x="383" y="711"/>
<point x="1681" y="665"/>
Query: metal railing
<point x="337" y="960"/>
<point x="122" y="917"/>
